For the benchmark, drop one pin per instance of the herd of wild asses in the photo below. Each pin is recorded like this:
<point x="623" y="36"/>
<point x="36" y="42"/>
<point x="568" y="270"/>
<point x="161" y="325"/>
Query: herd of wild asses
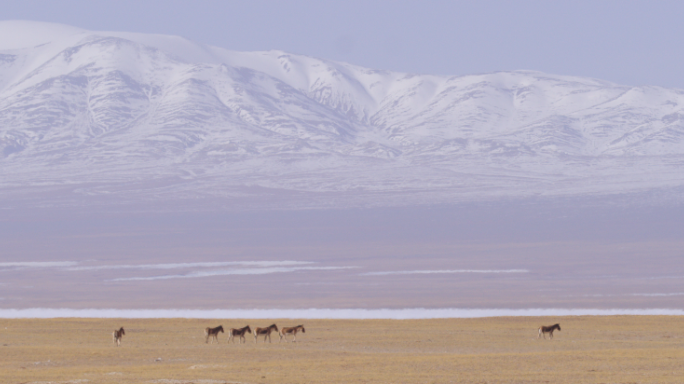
<point x="236" y="332"/>
<point x="266" y="333"/>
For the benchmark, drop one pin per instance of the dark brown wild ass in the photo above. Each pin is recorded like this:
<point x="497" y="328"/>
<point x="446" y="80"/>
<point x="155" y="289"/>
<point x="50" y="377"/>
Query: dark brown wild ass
<point x="117" y="335"/>
<point x="213" y="333"/>
<point x="543" y="330"/>
<point x="232" y="333"/>
<point x="265" y="332"/>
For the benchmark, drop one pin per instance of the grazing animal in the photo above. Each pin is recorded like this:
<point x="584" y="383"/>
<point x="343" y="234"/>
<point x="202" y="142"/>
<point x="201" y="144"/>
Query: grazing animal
<point x="543" y="330"/>
<point x="291" y="331"/>
<point x="266" y="332"/>
<point x="213" y="332"/>
<point x="117" y="335"/>
<point x="239" y="333"/>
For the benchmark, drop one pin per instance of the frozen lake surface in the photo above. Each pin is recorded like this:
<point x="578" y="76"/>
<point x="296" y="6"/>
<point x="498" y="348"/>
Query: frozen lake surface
<point x="513" y="256"/>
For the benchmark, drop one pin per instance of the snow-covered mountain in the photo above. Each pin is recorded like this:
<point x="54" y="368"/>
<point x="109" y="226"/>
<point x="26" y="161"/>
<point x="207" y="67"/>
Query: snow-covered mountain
<point x="135" y="117"/>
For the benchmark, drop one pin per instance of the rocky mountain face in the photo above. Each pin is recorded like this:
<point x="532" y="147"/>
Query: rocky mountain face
<point x="116" y="117"/>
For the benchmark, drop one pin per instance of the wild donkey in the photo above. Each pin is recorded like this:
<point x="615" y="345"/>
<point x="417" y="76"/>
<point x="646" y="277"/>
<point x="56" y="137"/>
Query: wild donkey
<point x="265" y="332"/>
<point x="232" y="333"/>
<point x="117" y="335"/>
<point x="543" y="330"/>
<point x="213" y="333"/>
<point x="291" y="331"/>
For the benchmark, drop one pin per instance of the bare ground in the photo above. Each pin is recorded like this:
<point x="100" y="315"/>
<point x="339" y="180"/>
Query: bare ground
<point x="589" y="349"/>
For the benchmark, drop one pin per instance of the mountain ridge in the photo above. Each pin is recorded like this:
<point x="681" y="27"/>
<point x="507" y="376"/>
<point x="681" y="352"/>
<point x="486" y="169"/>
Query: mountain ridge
<point x="116" y="109"/>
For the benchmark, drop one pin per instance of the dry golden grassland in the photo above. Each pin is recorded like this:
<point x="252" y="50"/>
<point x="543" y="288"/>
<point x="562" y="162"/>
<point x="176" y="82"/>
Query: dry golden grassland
<point x="589" y="349"/>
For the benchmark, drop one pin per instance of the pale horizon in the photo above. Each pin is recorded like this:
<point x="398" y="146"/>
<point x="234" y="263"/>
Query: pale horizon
<point x="625" y="42"/>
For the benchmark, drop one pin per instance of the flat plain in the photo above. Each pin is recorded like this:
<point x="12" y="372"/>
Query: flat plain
<point x="588" y="349"/>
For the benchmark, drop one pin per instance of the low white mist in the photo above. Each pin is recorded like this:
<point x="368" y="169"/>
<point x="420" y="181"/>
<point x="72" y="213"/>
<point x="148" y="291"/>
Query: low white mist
<point x="418" y="272"/>
<point x="323" y="313"/>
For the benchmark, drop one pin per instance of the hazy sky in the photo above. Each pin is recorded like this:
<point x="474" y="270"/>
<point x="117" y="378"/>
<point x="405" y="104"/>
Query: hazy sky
<point x="628" y="42"/>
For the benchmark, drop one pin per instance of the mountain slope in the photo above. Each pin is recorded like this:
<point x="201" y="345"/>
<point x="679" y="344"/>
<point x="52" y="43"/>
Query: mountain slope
<point x="151" y="117"/>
